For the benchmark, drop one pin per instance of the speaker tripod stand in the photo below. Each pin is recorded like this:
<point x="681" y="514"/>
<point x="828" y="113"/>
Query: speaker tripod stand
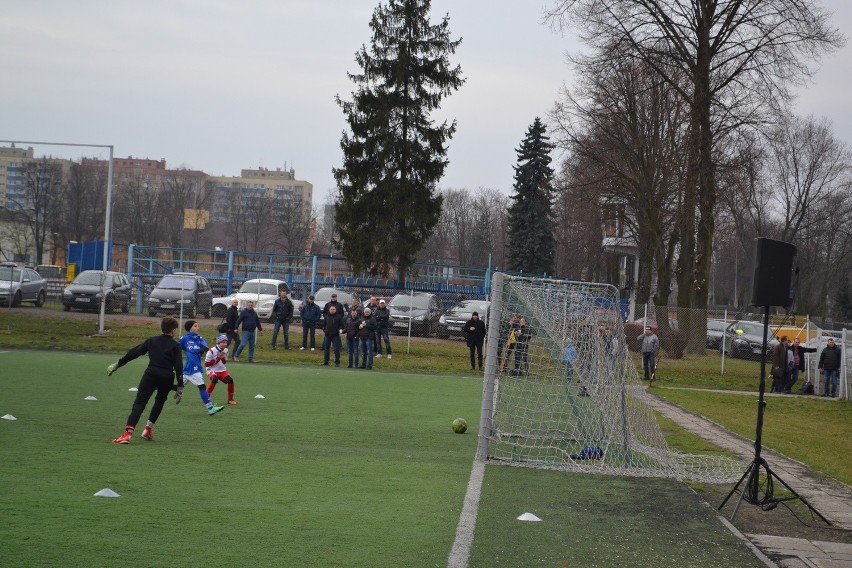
<point x="753" y="492"/>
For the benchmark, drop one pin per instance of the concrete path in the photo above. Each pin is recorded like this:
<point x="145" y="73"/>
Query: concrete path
<point x="832" y="499"/>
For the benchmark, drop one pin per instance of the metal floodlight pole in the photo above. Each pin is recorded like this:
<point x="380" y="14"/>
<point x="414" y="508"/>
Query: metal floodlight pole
<point x="107" y="237"/>
<point x="108" y="205"/>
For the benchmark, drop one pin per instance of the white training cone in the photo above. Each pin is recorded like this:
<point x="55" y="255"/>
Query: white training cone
<point x="107" y="492"/>
<point x="528" y="517"/>
<point x="90" y="397"/>
<point x="8" y="417"/>
<point x="133" y="389"/>
<point x="259" y="396"/>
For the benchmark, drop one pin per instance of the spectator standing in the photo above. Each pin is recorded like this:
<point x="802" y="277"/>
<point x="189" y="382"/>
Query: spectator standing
<point x="474" y="333"/>
<point x="310" y="314"/>
<point x="283" y="312"/>
<point x="347" y="313"/>
<point x="366" y="331"/>
<point x="251" y="327"/>
<point x="508" y="335"/>
<point x="352" y="326"/>
<point x="341" y="309"/>
<point x="333" y="323"/>
<point x="165" y="362"/>
<point x="374" y="305"/>
<point x="231" y="321"/>
<point x="382" y="316"/>
<point x="798" y="352"/>
<point x="829" y="364"/>
<point x="780" y="365"/>
<point x="650" y="347"/>
<point x="522" y="346"/>
<point x="355" y="305"/>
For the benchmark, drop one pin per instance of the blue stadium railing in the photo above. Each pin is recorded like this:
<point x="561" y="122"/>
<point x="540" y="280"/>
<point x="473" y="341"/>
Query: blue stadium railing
<point x="304" y="275"/>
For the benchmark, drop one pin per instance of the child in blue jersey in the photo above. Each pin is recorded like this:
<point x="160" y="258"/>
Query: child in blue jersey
<point x="193" y="371"/>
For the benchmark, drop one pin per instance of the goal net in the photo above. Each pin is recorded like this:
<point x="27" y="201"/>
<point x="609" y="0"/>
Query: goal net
<point x="561" y="390"/>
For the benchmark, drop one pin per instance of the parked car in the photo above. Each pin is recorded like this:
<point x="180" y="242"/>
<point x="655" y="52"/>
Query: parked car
<point x="21" y="285"/>
<point x="450" y="324"/>
<point x="185" y="289"/>
<point x="420" y="310"/>
<point x="744" y="339"/>
<point x="323" y="296"/>
<point x="261" y="291"/>
<point x="85" y="291"/>
<point x="715" y="333"/>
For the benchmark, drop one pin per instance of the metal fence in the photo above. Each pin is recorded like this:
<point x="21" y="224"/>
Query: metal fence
<point x="726" y="335"/>
<point x="226" y="271"/>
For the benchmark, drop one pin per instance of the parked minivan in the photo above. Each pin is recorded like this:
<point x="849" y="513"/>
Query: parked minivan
<point x="420" y="310"/>
<point x="181" y="290"/>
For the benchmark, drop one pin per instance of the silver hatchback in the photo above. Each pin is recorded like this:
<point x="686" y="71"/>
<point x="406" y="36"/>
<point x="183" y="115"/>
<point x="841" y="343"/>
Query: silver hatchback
<point x="21" y="285"/>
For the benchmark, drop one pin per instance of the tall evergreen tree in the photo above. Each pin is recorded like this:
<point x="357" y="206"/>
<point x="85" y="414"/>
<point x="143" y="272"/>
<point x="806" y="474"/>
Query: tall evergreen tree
<point x="394" y="155"/>
<point x="530" y="241"/>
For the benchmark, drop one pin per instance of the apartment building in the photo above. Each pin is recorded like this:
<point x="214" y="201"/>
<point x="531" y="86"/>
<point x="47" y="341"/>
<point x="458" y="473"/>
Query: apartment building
<point x="277" y="184"/>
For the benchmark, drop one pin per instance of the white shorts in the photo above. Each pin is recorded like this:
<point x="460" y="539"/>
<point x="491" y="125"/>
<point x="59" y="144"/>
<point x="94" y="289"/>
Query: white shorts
<point x="195" y="378"/>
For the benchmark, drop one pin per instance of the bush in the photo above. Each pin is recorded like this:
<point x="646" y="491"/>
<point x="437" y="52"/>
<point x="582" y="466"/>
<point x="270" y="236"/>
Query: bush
<point x="674" y="341"/>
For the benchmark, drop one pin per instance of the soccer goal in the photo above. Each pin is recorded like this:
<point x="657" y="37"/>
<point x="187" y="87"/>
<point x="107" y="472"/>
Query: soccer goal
<point x="562" y="392"/>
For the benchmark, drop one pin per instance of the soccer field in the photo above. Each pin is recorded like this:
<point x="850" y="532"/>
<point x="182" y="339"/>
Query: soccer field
<point x="334" y="467"/>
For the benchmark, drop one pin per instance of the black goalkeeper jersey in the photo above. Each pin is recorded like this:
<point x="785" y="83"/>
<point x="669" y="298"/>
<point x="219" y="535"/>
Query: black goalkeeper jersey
<point x="165" y="358"/>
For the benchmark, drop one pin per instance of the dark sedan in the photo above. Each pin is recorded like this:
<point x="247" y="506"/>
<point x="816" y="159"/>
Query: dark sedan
<point x="91" y="286"/>
<point x="450" y="324"/>
<point x="417" y="312"/>
<point x="744" y="339"/>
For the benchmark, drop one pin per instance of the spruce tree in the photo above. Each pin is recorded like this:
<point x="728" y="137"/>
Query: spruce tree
<point x="530" y="241"/>
<point x="393" y="154"/>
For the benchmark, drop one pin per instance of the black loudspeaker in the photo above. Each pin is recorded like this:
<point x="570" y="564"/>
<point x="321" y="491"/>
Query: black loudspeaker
<point x="773" y="272"/>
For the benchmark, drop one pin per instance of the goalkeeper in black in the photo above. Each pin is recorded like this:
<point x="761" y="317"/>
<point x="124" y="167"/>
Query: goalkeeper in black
<point x="165" y="362"/>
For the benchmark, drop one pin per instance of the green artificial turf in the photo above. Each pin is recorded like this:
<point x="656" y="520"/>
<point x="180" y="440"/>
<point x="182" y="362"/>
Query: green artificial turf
<point x="598" y="521"/>
<point x="333" y="468"/>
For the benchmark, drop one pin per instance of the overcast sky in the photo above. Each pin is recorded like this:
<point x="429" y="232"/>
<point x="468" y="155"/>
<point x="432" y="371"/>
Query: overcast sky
<point x="220" y="85"/>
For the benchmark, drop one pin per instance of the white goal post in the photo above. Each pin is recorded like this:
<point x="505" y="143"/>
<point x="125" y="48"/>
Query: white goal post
<point x="561" y="390"/>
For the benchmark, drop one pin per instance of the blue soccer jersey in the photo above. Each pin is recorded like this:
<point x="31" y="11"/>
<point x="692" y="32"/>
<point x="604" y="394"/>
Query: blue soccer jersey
<point x="195" y="348"/>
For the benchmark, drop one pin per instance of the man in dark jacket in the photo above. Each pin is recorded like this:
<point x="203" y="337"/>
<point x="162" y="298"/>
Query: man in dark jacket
<point x="333" y="323"/>
<point x="798" y="352"/>
<point x="341" y="309"/>
<point x="352" y="325"/>
<point x="366" y="332"/>
<point x="282" y="311"/>
<point x="780" y="369"/>
<point x="382" y="315"/>
<point x="310" y="314"/>
<point x="829" y="364"/>
<point x="251" y="325"/>
<point x="523" y="334"/>
<point x="474" y="333"/>
<point x="231" y="322"/>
